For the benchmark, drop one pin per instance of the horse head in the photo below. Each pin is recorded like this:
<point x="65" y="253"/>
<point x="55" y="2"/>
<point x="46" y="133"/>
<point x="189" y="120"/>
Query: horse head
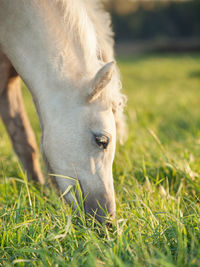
<point x="79" y="142"/>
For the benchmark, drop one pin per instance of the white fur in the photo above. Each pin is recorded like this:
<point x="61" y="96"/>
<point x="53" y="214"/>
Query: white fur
<point x="57" y="47"/>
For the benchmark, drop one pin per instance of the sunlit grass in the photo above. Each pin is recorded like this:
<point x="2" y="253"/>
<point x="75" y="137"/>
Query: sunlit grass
<point x="157" y="182"/>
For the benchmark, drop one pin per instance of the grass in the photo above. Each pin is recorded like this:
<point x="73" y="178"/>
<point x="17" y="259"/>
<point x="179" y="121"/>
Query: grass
<point x="157" y="182"/>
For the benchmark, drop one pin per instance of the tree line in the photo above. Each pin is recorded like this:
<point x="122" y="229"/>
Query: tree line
<point x="144" y="20"/>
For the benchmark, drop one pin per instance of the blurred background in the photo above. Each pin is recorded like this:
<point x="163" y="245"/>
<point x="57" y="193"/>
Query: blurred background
<point x="155" y="25"/>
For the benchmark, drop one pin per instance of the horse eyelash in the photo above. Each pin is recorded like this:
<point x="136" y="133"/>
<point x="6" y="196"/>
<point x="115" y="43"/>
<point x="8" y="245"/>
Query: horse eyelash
<point x="100" y="142"/>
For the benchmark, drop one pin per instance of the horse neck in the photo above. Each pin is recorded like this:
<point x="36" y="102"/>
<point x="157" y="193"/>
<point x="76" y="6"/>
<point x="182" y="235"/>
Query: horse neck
<point x="34" y="40"/>
<point x="22" y="39"/>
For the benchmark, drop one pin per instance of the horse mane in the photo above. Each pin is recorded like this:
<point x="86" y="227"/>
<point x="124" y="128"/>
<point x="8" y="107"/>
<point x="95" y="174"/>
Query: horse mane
<point x="89" y="28"/>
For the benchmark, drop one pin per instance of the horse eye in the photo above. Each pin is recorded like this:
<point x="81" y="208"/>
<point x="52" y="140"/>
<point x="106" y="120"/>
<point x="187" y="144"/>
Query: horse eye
<point x="102" y="141"/>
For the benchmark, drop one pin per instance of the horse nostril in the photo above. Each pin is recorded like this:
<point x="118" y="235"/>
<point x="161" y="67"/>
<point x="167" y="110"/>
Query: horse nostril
<point x="112" y="215"/>
<point x="109" y="225"/>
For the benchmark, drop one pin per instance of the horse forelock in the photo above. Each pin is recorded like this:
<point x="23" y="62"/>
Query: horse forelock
<point x="88" y="28"/>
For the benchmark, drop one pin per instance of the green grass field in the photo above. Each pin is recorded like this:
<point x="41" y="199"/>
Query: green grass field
<point x="157" y="182"/>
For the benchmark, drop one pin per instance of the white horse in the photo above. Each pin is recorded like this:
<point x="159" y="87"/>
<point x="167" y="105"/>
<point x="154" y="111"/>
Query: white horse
<point x="63" y="50"/>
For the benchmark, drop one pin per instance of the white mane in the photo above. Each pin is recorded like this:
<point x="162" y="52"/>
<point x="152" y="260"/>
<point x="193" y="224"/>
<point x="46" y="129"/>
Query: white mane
<point x="91" y="46"/>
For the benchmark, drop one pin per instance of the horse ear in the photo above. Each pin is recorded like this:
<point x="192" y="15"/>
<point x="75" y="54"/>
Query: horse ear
<point x="101" y="79"/>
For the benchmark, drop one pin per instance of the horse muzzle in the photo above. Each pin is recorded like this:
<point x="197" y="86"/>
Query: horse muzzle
<point x="100" y="206"/>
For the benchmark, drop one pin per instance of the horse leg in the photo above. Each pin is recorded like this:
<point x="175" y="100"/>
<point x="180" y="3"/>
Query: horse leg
<point x="14" y="116"/>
